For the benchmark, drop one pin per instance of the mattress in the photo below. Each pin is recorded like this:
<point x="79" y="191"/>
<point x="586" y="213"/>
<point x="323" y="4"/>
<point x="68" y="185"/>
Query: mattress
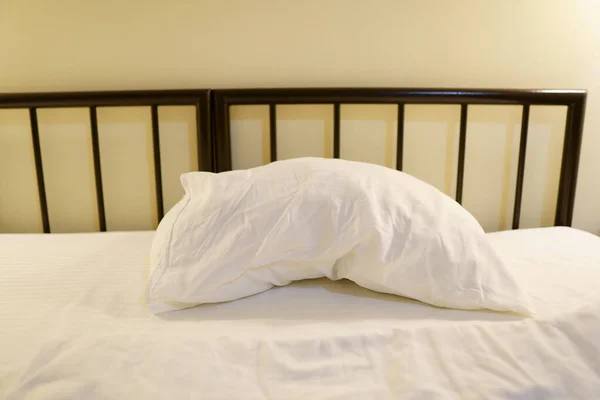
<point x="74" y="325"/>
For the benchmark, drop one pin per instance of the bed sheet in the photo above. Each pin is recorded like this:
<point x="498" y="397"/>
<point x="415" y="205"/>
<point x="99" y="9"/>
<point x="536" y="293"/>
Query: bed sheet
<point x="73" y="324"/>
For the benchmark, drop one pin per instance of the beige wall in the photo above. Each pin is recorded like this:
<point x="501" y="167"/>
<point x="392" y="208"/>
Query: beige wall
<point x="131" y="44"/>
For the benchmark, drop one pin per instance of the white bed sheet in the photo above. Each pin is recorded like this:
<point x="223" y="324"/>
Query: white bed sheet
<point x="73" y="324"/>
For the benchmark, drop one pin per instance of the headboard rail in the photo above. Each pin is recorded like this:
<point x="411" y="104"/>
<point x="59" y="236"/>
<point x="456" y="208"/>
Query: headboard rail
<point x="199" y="98"/>
<point x="574" y="100"/>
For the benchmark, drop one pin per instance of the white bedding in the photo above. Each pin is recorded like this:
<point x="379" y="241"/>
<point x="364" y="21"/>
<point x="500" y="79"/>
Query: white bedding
<point x="73" y="325"/>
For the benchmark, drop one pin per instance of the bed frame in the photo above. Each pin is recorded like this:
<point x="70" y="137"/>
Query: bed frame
<point x="214" y="136"/>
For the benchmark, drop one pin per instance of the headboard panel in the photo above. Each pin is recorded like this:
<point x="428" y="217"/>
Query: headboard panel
<point x="574" y="100"/>
<point x="199" y="98"/>
<point x="213" y="132"/>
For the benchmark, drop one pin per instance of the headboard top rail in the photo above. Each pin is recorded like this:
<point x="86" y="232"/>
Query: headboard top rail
<point x="103" y="98"/>
<point x="400" y="95"/>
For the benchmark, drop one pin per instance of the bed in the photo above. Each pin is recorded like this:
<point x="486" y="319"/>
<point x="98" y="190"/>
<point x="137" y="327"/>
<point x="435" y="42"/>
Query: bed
<point x="75" y="323"/>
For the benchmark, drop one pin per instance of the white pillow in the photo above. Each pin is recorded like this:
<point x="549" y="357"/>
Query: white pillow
<point x="238" y="233"/>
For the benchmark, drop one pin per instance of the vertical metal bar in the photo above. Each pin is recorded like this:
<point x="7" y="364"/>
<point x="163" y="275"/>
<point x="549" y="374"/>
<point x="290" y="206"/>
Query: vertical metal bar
<point x="204" y="134"/>
<point x="400" y="137"/>
<point x="560" y="218"/>
<point x="570" y="163"/>
<point x="157" y="167"/>
<point x="461" y="152"/>
<point x="97" y="169"/>
<point x="225" y="158"/>
<point x="221" y="131"/>
<point x="39" y="170"/>
<point x="521" y="166"/>
<point x="336" y="130"/>
<point x="273" y="130"/>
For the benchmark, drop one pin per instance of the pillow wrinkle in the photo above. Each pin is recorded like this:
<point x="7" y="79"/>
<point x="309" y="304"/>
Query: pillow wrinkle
<point x="295" y="198"/>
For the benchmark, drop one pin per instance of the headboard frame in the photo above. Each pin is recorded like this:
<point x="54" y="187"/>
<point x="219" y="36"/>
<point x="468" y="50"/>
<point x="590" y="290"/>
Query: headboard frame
<point x="574" y="100"/>
<point x="214" y="133"/>
<point x="199" y="98"/>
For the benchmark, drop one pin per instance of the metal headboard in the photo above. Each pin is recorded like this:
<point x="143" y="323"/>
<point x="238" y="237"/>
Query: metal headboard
<point x="573" y="99"/>
<point x="33" y="101"/>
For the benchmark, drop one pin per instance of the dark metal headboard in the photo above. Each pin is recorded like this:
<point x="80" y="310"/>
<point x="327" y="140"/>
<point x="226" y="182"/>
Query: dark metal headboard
<point x="32" y="101"/>
<point x="573" y="99"/>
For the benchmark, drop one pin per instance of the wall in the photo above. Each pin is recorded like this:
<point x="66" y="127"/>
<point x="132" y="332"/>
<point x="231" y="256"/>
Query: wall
<point x="132" y="44"/>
